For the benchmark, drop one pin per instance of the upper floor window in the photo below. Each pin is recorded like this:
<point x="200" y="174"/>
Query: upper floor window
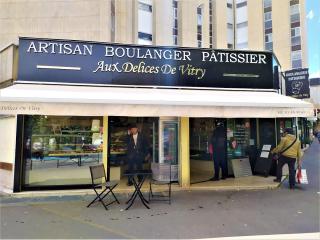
<point x="241" y="3"/>
<point x="175" y="22"/>
<point x="267" y="16"/>
<point x="210" y="24"/>
<point x="145" y="7"/>
<point x="295" y="32"/>
<point x="145" y="22"/>
<point x="242" y="25"/>
<point x="294" y="13"/>
<point x="296" y="59"/>
<point x="267" y="3"/>
<point x="199" y="25"/>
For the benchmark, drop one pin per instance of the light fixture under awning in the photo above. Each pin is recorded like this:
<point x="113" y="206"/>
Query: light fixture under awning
<point x="115" y="101"/>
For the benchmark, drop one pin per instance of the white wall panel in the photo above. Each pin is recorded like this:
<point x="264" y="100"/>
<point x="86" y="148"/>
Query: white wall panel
<point x="145" y="21"/>
<point x="242" y="35"/>
<point x="230" y="15"/>
<point x="8" y="127"/>
<point x="242" y="14"/>
<point x="230" y="35"/>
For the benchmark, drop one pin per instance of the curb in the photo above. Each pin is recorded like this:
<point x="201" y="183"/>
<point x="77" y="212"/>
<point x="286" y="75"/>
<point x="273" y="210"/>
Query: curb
<point x="67" y="195"/>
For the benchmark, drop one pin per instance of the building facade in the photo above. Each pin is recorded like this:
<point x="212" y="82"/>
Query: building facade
<point x="52" y="130"/>
<point x="278" y="26"/>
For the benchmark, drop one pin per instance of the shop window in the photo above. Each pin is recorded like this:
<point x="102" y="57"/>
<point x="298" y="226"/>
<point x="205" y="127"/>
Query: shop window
<point x="58" y="150"/>
<point x="241" y="143"/>
<point x="118" y="136"/>
<point x="238" y="135"/>
<point x="282" y="124"/>
<point x="200" y="133"/>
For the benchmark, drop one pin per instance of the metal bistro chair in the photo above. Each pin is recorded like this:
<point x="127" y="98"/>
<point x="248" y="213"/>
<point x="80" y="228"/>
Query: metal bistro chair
<point x="97" y="173"/>
<point x="161" y="175"/>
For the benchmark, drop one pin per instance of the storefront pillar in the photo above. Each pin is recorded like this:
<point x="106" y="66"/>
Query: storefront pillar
<point x="184" y="153"/>
<point x="105" y="144"/>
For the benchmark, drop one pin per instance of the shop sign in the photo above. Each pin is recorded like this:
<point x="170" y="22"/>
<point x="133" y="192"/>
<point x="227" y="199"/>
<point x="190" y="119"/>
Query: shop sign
<point x="93" y="63"/>
<point x="297" y="83"/>
<point x="19" y="108"/>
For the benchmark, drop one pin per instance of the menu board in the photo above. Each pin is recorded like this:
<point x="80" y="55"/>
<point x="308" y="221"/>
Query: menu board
<point x="241" y="134"/>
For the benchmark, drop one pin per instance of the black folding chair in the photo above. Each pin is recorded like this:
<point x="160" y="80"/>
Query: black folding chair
<point x="161" y="175"/>
<point x="97" y="173"/>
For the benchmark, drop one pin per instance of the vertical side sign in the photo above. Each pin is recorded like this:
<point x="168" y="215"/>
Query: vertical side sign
<point x="297" y="83"/>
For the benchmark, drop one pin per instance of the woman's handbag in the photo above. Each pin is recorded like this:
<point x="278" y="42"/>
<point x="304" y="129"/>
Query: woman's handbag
<point x="276" y="156"/>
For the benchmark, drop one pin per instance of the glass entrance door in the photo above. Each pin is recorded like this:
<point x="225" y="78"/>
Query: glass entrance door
<point x="168" y="150"/>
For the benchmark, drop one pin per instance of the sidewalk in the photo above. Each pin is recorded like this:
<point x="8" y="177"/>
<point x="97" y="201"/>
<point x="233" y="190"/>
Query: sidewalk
<point x="192" y="214"/>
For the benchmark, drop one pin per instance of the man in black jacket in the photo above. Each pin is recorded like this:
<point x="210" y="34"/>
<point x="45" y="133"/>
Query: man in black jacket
<point x="219" y="145"/>
<point x="137" y="150"/>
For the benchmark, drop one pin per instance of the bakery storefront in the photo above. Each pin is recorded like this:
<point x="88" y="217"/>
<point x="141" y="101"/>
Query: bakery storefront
<point x="65" y="105"/>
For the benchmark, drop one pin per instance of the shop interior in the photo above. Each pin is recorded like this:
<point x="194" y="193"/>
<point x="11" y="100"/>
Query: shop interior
<point x="59" y="149"/>
<point x="161" y="136"/>
<point x="245" y="138"/>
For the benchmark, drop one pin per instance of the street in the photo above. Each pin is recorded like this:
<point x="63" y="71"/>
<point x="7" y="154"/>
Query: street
<point x="192" y="214"/>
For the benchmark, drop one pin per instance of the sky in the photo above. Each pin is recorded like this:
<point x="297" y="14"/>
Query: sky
<point x="313" y="28"/>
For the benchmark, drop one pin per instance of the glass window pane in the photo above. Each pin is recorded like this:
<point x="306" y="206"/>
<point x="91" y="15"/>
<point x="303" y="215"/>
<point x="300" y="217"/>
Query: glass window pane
<point x="230" y="46"/>
<point x="296" y="31"/>
<point x="144" y="36"/>
<point x="297" y="64"/>
<point x="238" y="137"/>
<point x="267" y="16"/>
<point x="199" y="19"/>
<point x="242" y="25"/>
<point x="175" y="12"/>
<point x="295" y="17"/>
<point x="296" y="41"/>
<point x="296" y="55"/>
<point x="61" y="146"/>
<point x="267" y="24"/>
<point x="268" y="37"/>
<point x="294" y="9"/>
<point x="269" y="46"/>
<point x="267" y="3"/>
<point x="145" y="7"/>
<point x="242" y="4"/>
